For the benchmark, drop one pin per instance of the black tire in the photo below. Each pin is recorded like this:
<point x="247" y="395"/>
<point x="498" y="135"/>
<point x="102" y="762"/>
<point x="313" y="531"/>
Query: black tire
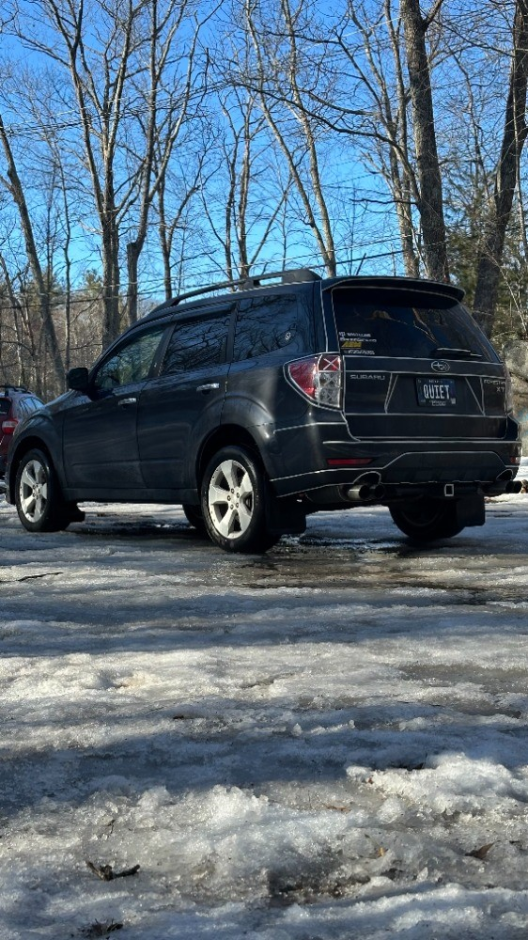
<point x="234" y="494"/>
<point x="426" y="520"/>
<point x="194" y="517"/>
<point x="39" y="501"/>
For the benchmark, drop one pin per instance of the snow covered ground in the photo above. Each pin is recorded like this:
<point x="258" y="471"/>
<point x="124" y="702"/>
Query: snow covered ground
<point x="329" y="741"/>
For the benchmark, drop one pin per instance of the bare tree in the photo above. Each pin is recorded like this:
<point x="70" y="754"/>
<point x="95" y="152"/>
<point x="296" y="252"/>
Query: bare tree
<point x="247" y="200"/>
<point x="13" y="184"/>
<point x="98" y="78"/>
<point x="174" y="198"/>
<point x="130" y="95"/>
<point x="430" y="200"/>
<point x="17" y="341"/>
<point x="506" y="174"/>
<point x="390" y="57"/>
<point x="279" y="76"/>
<point x="164" y="109"/>
<point x="382" y="130"/>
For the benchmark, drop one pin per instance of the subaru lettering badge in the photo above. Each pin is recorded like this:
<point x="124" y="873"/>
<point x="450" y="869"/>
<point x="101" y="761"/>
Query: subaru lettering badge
<point x="440" y="365"/>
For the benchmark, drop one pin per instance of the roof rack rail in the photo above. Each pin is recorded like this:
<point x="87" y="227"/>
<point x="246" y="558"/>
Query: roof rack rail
<point x="294" y="276"/>
<point x="13" y="388"/>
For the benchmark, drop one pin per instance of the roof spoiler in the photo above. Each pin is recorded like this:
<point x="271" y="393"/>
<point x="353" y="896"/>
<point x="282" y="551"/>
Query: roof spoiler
<point x="422" y="285"/>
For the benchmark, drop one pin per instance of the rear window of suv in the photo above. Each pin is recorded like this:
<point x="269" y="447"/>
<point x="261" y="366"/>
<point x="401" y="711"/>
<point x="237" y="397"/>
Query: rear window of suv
<point x="381" y="323"/>
<point x="5" y="405"/>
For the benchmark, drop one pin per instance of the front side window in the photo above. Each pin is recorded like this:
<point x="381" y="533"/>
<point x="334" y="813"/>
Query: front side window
<point x="197" y="344"/>
<point x="385" y="323"/>
<point x="131" y="363"/>
<point x="266" y="324"/>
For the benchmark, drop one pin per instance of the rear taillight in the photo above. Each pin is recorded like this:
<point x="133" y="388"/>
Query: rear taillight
<point x="9" y="426"/>
<point x="320" y="378"/>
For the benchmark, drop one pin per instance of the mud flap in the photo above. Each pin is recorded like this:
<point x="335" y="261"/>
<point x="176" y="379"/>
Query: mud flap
<point x="285" y="516"/>
<point x="471" y="511"/>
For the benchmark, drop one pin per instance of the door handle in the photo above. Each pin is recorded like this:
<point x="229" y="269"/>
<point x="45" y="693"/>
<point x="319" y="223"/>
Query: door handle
<point x="123" y="402"/>
<point x="208" y="387"/>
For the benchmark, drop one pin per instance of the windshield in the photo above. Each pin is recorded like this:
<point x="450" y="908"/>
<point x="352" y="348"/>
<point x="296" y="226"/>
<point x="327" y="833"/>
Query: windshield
<point x="385" y="323"/>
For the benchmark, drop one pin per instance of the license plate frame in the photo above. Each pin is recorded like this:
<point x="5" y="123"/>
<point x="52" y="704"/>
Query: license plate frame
<point x="436" y="391"/>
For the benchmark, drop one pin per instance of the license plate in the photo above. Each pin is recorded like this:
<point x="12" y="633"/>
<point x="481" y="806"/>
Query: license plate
<point x="438" y="392"/>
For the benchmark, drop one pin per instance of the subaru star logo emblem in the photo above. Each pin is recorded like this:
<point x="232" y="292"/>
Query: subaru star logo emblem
<point x="440" y="365"/>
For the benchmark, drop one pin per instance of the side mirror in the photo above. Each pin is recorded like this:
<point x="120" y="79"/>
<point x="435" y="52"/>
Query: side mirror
<point x="77" y="379"/>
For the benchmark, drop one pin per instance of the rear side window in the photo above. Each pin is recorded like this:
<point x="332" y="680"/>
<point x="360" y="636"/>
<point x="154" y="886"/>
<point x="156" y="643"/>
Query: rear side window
<point x="266" y="324"/>
<point x="5" y="406"/>
<point x="27" y="405"/>
<point x="383" y="323"/>
<point x="196" y="344"/>
<point x="22" y="408"/>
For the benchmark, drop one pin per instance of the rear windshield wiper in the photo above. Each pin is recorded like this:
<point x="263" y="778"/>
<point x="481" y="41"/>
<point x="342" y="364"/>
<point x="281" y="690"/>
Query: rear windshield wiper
<point x="450" y="353"/>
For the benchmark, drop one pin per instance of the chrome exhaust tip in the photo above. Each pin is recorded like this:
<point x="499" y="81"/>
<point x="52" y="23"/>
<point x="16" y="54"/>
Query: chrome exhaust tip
<point x="365" y="492"/>
<point x="504" y="483"/>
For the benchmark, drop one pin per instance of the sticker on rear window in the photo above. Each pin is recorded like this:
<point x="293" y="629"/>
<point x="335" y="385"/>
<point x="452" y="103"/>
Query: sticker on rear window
<point x="357" y="344"/>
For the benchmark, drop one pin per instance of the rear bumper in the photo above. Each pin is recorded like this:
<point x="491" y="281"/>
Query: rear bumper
<point x="410" y="466"/>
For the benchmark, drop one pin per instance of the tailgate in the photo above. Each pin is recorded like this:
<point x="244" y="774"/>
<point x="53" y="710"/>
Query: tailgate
<point x="391" y="403"/>
<point x="417" y="365"/>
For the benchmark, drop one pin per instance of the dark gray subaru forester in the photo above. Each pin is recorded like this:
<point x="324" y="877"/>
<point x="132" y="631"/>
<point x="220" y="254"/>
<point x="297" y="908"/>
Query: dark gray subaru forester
<point x="282" y="396"/>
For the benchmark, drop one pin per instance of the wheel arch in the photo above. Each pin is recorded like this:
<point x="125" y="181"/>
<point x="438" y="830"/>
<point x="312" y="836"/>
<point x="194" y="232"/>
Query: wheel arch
<point x="225" y="436"/>
<point x="31" y="442"/>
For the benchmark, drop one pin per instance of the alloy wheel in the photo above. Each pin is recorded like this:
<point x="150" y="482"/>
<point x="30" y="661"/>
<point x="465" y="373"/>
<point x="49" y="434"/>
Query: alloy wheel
<point x="230" y="498"/>
<point x="33" y="491"/>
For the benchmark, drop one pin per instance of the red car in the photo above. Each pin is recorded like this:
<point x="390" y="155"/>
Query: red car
<point x="16" y="403"/>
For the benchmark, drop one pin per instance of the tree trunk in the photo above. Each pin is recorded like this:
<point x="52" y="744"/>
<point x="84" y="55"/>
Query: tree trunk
<point x="18" y="341"/>
<point x="111" y="285"/>
<point x="133" y="253"/>
<point x="165" y="241"/>
<point x="506" y="177"/>
<point x="430" y="203"/>
<point x="14" y="186"/>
